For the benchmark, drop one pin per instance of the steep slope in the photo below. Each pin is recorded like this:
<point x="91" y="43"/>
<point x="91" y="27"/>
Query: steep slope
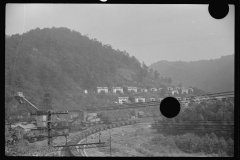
<point x="210" y="75"/>
<point x="66" y="62"/>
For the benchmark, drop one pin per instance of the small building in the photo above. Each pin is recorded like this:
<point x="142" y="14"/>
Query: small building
<point x="102" y="89"/>
<point x="75" y="113"/>
<point x="153" y="89"/>
<point x="161" y="98"/>
<point x="115" y="89"/>
<point x="91" y="116"/>
<point x="169" y="88"/>
<point x="190" y="90"/>
<point x="139" y="99"/>
<point x="132" y="89"/>
<point x="184" y="90"/>
<point x="41" y="120"/>
<point x="23" y="128"/>
<point x="85" y="91"/>
<point x="122" y="100"/>
<point x="174" y="91"/>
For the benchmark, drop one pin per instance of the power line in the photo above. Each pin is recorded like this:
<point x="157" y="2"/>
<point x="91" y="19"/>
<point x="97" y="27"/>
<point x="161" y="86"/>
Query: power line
<point x="14" y="64"/>
<point x="173" y="40"/>
<point x="154" y="103"/>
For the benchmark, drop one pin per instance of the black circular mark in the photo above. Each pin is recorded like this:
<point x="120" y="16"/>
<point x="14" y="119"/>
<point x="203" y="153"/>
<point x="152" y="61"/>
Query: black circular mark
<point x="170" y="107"/>
<point x="219" y="9"/>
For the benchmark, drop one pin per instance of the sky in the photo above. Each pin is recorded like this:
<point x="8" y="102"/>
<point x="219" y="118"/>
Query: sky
<point x="150" y="32"/>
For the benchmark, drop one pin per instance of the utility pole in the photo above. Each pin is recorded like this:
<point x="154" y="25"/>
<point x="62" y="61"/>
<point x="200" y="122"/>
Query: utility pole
<point x="110" y="141"/>
<point x="99" y="133"/>
<point x="47" y="100"/>
<point x="49" y="128"/>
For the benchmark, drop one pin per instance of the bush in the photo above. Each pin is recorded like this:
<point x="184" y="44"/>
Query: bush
<point x="208" y="144"/>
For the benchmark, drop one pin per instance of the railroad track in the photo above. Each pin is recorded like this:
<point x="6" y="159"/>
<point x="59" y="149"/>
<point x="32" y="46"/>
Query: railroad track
<point x="73" y="151"/>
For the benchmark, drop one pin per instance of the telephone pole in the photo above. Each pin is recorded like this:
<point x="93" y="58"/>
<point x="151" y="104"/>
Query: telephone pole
<point x="110" y="141"/>
<point x="47" y="100"/>
<point x="99" y="133"/>
<point x="49" y="128"/>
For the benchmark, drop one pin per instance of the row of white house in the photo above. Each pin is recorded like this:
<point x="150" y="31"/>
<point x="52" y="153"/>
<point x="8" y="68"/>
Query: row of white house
<point x="122" y="100"/>
<point x="171" y="90"/>
<point x="196" y="99"/>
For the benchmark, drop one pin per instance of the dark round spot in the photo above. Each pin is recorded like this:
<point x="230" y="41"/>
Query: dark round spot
<point x="170" y="107"/>
<point x="219" y="9"/>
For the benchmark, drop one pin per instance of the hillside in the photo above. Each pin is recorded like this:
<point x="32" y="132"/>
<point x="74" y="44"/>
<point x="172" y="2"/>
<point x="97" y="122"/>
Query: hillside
<point x="210" y="75"/>
<point x="66" y="63"/>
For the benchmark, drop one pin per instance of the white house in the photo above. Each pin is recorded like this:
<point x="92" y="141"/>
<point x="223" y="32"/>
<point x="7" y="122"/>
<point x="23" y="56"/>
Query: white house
<point x="191" y="90"/>
<point x="153" y="89"/>
<point x="134" y="89"/>
<point x="184" y="90"/>
<point x="121" y="100"/>
<point x="139" y="99"/>
<point x="85" y="91"/>
<point x="160" y="99"/>
<point x="174" y="91"/>
<point x="102" y="89"/>
<point x="115" y="89"/>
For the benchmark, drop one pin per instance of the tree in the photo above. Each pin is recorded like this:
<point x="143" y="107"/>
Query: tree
<point x="144" y="66"/>
<point x="151" y="70"/>
<point x="139" y="75"/>
<point x="180" y="85"/>
<point x="156" y="74"/>
<point x="169" y="80"/>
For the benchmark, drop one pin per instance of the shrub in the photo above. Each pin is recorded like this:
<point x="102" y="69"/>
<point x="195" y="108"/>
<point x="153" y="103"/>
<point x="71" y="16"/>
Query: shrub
<point x="208" y="144"/>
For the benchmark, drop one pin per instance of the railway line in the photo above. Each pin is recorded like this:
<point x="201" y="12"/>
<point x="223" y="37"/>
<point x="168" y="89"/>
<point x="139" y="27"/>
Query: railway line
<point x="73" y="151"/>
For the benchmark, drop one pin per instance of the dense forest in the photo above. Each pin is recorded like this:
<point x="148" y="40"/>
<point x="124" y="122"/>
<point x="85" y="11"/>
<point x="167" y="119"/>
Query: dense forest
<point x="66" y="63"/>
<point x="215" y="75"/>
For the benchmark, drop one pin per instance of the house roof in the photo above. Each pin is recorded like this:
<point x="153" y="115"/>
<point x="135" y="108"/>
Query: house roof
<point x="27" y="126"/>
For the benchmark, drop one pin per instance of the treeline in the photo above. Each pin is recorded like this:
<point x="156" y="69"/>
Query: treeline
<point x="209" y="125"/>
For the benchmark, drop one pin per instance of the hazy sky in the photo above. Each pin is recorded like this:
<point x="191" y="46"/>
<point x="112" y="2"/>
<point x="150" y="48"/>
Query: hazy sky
<point x="150" y="32"/>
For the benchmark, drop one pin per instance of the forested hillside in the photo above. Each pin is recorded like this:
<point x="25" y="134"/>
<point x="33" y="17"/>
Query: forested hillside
<point x="66" y="62"/>
<point x="210" y="75"/>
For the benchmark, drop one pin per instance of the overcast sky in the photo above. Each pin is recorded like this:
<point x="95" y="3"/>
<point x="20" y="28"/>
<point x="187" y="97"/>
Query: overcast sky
<point x="150" y="32"/>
